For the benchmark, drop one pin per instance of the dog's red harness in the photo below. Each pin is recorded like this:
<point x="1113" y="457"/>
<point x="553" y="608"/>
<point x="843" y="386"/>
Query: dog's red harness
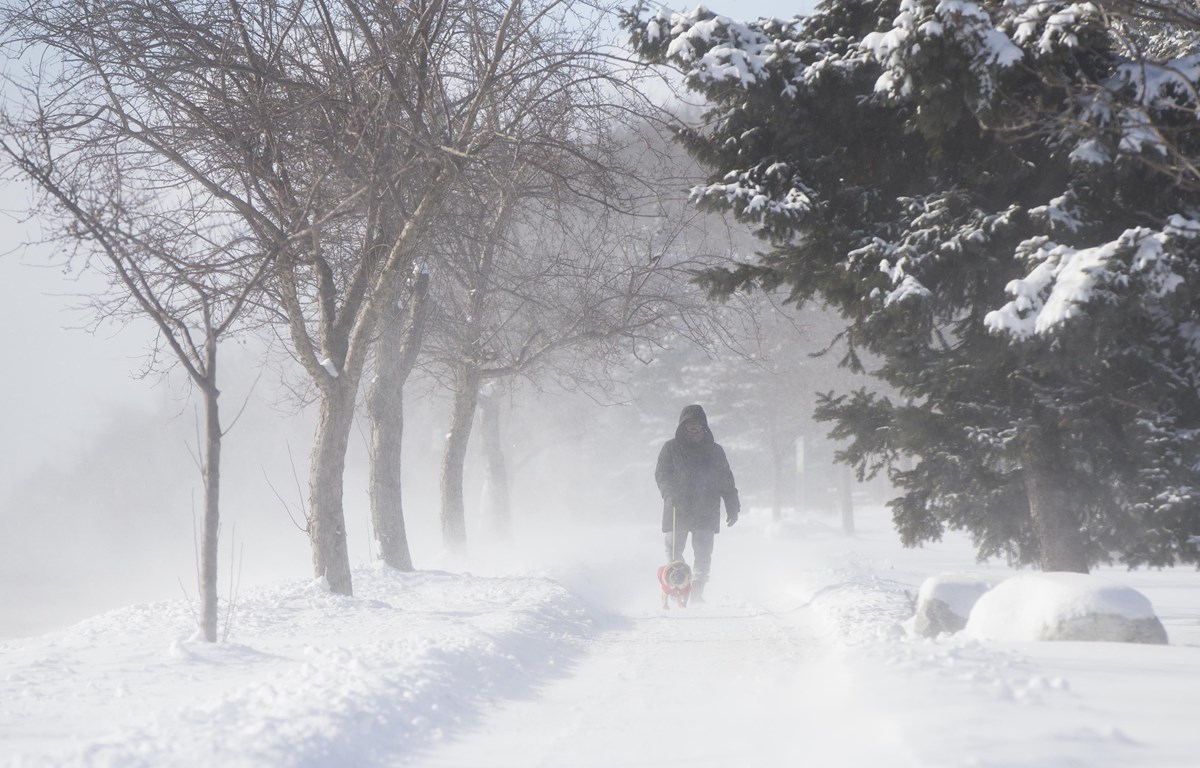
<point x="685" y="588"/>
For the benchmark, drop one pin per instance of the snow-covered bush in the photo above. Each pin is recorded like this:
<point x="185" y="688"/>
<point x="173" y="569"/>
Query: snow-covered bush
<point x="944" y="603"/>
<point x="1064" y="606"/>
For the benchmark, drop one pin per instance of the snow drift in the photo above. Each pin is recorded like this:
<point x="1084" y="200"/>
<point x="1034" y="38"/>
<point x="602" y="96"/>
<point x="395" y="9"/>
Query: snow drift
<point x="1064" y="606"/>
<point x="313" y="678"/>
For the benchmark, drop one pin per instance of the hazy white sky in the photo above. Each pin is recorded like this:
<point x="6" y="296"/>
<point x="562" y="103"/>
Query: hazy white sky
<point x="56" y="380"/>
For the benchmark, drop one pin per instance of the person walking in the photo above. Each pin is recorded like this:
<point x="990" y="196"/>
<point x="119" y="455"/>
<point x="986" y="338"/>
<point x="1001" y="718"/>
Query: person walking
<point x="694" y="476"/>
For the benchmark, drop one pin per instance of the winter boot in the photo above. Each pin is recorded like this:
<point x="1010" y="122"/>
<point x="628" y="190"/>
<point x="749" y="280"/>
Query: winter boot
<point x="697" y="595"/>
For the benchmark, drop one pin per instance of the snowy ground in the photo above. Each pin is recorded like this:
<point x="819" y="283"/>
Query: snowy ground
<point x="797" y="659"/>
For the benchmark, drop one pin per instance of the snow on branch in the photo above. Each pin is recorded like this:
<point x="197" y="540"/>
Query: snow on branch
<point x="1133" y="102"/>
<point x="717" y="47"/>
<point x="1159" y="84"/>
<point x="769" y="58"/>
<point x="1043" y="26"/>
<point x="936" y="232"/>
<point x="714" y="51"/>
<point x="919" y="24"/>
<point x="1065" y="280"/>
<point x="759" y="193"/>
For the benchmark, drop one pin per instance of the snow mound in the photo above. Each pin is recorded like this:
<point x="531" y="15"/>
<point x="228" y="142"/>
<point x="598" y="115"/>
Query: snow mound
<point x="1064" y="606"/>
<point x="308" y="677"/>
<point x="944" y="603"/>
<point x="861" y="610"/>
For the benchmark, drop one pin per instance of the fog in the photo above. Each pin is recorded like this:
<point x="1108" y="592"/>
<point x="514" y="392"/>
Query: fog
<point x="101" y="487"/>
<point x="99" y="503"/>
<point x="100" y="491"/>
<point x="99" y="483"/>
<point x="101" y="512"/>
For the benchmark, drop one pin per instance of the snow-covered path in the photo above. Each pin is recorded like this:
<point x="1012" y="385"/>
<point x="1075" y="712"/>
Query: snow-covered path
<point x="750" y="678"/>
<point x="558" y="656"/>
<point x="716" y="685"/>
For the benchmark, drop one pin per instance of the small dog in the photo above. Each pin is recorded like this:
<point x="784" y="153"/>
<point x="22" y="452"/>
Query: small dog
<point x="675" y="579"/>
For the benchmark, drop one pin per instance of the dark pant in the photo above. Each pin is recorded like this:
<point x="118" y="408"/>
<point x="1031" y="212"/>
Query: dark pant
<point x="702" y="547"/>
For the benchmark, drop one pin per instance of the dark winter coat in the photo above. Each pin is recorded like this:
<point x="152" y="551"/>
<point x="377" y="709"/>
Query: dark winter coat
<point x="694" y="477"/>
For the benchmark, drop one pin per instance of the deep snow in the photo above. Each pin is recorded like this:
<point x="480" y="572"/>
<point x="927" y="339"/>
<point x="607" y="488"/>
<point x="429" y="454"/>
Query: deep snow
<point x="566" y="660"/>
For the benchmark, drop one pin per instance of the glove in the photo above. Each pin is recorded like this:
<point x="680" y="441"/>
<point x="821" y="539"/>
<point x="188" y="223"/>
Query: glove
<point x="730" y="518"/>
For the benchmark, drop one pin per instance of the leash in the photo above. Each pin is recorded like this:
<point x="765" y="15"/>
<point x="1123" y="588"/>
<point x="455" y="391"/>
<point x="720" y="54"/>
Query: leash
<point x="675" y="576"/>
<point x="673" y="557"/>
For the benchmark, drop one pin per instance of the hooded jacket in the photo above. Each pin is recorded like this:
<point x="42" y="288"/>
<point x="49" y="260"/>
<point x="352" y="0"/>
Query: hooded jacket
<point x="694" y="477"/>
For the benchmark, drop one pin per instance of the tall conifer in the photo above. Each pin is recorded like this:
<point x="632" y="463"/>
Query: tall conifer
<point x="989" y="194"/>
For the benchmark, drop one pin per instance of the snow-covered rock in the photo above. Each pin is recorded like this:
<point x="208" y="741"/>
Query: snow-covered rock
<point x="1064" y="606"/>
<point x="944" y="602"/>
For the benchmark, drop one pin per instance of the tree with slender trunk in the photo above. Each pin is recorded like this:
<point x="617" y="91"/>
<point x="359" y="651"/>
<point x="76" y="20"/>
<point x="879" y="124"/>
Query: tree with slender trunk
<point x="462" y="415"/>
<point x="169" y="251"/>
<point x="495" y="470"/>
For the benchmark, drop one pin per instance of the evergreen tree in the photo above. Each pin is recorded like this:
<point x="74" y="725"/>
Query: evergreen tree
<point x="983" y="190"/>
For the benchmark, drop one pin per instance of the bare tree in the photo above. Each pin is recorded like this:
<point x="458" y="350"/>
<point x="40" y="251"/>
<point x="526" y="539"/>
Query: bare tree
<point x="562" y="293"/>
<point x="335" y="131"/>
<point x="550" y="146"/>
<point x="495" y="470"/>
<point x="172" y="254"/>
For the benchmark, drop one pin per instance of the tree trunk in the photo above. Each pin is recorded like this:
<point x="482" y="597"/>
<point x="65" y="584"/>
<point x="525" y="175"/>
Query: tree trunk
<point x="345" y="339"/>
<point x="495" y="472"/>
<point x="846" y="481"/>
<point x="467" y="379"/>
<point x="396" y="351"/>
<point x="327" y="522"/>
<point x="385" y="407"/>
<point x="801" y="478"/>
<point x="466" y="394"/>
<point x="1060" y="540"/>
<point x="211" y="466"/>
<point x="779" y="452"/>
